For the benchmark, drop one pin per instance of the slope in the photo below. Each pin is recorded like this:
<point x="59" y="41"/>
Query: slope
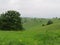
<point x="36" y="35"/>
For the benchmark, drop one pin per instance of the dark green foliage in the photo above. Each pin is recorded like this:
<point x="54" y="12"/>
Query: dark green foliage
<point x="49" y="22"/>
<point x="10" y="21"/>
<point x="43" y="25"/>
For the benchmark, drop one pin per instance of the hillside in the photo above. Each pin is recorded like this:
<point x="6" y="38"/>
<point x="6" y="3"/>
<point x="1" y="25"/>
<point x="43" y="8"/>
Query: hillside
<point x="33" y="35"/>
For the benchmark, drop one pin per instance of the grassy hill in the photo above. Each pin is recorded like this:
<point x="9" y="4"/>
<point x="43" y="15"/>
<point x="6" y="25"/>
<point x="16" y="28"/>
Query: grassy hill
<point x="34" y="33"/>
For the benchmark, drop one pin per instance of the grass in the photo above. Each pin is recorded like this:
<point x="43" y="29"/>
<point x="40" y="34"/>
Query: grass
<point x="33" y="35"/>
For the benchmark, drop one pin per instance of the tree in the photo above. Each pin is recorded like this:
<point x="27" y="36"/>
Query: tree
<point x="49" y="22"/>
<point x="10" y="20"/>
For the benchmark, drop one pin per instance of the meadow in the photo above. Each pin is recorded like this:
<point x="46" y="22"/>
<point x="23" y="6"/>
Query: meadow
<point x="34" y="33"/>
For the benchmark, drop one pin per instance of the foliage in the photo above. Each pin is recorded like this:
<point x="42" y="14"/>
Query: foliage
<point x="36" y="35"/>
<point x="43" y="25"/>
<point x="10" y="20"/>
<point x="33" y="35"/>
<point x="49" y="22"/>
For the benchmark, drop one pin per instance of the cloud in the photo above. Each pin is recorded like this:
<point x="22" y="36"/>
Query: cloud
<point x="32" y="8"/>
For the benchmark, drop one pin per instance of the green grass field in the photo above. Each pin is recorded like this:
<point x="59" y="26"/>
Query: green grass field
<point x="34" y="34"/>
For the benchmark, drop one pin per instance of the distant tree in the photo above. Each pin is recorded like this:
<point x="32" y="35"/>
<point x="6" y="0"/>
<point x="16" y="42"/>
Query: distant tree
<point x="56" y="17"/>
<point x="59" y="18"/>
<point x="49" y="22"/>
<point x="10" y="20"/>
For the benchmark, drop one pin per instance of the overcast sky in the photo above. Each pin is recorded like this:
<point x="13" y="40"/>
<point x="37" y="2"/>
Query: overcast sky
<point x="32" y="8"/>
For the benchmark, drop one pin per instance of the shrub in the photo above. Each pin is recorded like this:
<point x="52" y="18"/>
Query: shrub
<point x="43" y="25"/>
<point x="49" y="22"/>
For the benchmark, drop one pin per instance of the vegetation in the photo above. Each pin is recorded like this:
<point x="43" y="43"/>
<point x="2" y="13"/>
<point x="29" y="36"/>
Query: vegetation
<point x="10" y="20"/>
<point x="33" y="35"/>
<point x="43" y="25"/>
<point x="49" y="22"/>
<point x="36" y="31"/>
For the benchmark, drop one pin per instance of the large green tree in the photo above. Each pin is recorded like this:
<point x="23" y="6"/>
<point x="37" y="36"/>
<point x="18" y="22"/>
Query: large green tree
<point x="10" y="20"/>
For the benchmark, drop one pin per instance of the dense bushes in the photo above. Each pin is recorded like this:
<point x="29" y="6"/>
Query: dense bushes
<point x="10" y="20"/>
<point x="49" y="22"/>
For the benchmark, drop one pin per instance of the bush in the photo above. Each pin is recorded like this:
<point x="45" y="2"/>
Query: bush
<point x="43" y="25"/>
<point x="49" y="22"/>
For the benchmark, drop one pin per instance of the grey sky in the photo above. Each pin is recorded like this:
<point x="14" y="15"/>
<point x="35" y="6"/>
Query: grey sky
<point x="32" y="8"/>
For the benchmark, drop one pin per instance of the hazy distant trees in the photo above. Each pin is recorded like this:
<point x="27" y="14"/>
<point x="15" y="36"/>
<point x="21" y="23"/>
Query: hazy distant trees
<point x="10" y="20"/>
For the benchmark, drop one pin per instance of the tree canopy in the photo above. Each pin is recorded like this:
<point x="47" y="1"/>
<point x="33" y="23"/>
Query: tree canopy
<point x="10" y="20"/>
